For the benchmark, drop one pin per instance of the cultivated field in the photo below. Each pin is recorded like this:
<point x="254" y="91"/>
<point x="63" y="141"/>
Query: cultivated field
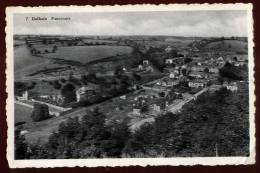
<point x="86" y="54"/>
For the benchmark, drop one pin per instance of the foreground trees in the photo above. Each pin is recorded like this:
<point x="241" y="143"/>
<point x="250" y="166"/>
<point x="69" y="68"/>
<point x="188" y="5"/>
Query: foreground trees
<point x="213" y="124"/>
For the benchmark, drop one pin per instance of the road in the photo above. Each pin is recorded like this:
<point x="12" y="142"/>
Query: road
<point x="175" y="107"/>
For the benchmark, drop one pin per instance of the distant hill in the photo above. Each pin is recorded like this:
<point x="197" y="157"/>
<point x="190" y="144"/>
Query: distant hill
<point x="227" y="45"/>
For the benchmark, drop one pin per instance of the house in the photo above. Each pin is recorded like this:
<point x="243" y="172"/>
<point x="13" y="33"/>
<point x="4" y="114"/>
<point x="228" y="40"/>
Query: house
<point x="213" y="70"/>
<point x="198" y="75"/>
<point x="145" y="62"/>
<point x="167" y="82"/>
<point x="158" y="106"/>
<point x="25" y="96"/>
<point x="231" y="86"/>
<point x="85" y="93"/>
<point x="168" y="49"/>
<point x="197" y="68"/>
<point x="220" y="59"/>
<point x="168" y="61"/>
<point x="123" y="97"/>
<point x="196" y="84"/>
<point x="140" y="67"/>
<point x="150" y="69"/>
<point x="136" y="111"/>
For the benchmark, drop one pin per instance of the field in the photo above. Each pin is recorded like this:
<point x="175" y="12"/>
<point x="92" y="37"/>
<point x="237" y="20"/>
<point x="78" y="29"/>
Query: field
<point x="25" y="63"/>
<point x="99" y="41"/>
<point x="86" y="54"/>
<point x="230" y="45"/>
<point x="22" y="113"/>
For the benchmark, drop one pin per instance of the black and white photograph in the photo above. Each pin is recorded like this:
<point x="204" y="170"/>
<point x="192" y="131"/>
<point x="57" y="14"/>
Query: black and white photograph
<point x="130" y="85"/>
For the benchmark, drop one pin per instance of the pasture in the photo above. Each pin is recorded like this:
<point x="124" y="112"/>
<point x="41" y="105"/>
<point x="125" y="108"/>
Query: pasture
<point x="86" y="54"/>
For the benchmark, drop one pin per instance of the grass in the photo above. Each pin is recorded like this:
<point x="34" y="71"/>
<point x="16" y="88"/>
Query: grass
<point x="86" y="54"/>
<point x="230" y="45"/>
<point x="25" y="63"/>
<point x="22" y="113"/>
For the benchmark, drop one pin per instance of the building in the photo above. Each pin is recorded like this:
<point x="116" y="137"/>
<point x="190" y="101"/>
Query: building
<point x="136" y="111"/>
<point x="145" y="62"/>
<point x="196" y="84"/>
<point x="213" y="70"/>
<point x="25" y="96"/>
<point x="231" y="86"/>
<point x="84" y="93"/>
<point x="168" y="49"/>
<point x="168" y="61"/>
<point x="198" y="75"/>
<point x="197" y="68"/>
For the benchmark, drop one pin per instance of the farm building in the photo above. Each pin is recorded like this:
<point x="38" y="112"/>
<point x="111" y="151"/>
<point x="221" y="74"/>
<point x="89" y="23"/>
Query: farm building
<point x="85" y="93"/>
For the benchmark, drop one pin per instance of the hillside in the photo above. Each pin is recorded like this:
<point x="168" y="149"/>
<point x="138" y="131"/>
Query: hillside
<point x="227" y="45"/>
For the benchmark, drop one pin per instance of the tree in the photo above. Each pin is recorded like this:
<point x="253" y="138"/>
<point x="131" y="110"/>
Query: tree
<point x="120" y="134"/>
<point x="69" y="93"/>
<point x="187" y="60"/>
<point x="230" y="72"/>
<point x="137" y="77"/>
<point x="206" y="70"/>
<point x="20" y="146"/>
<point x="56" y="84"/>
<point x="40" y="112"/>
<point x="54" y="49"/>
<point x="118" y="71"/>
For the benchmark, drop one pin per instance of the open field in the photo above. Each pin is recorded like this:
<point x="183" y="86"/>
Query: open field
<point x="99" y="41"/>
<point x="22" y="113"/>
<point x="25" y="63"/>
<point x="230" y="45"/>
<point x="86" y="54"/>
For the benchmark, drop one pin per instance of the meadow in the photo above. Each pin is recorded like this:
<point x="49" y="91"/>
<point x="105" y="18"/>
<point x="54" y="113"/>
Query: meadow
<point x="22" y="113"/>
<point x="86" y="54"/>
<point x="25" y="63"/>
<point x="231" y="45"/>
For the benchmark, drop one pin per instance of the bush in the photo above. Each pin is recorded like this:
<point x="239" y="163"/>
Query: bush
<point x="40" y="112"/>
<point x="230" y="72"/>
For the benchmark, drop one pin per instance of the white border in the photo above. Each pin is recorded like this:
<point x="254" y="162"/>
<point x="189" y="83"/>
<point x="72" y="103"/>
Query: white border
<point x="10" y="11"/>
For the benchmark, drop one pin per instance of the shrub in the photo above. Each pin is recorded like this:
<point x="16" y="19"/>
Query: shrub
<point x="40" y="112"/>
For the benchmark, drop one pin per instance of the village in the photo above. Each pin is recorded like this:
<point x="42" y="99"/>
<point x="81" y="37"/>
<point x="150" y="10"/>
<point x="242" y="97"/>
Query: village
<point x="184" y="77"/>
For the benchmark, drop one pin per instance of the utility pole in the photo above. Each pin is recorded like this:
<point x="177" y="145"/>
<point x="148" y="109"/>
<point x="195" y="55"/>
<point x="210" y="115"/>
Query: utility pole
<point x="216" y="149"/>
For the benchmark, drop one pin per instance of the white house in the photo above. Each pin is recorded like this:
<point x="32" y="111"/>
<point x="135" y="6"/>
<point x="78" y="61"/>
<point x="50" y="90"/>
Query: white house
<point x="231" y="86"/>
<point x="196" y="84"/>
<point x="168" y="61"/>
<point x="136" y="111"/>
<point x="145" y="62"/>
<point x="84" y="93"/>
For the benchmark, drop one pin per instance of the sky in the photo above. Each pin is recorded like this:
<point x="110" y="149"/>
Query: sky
<point x="174" y="23"/>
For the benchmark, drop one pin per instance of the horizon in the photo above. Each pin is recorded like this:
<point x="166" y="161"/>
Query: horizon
<point x="221" y="23"/>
